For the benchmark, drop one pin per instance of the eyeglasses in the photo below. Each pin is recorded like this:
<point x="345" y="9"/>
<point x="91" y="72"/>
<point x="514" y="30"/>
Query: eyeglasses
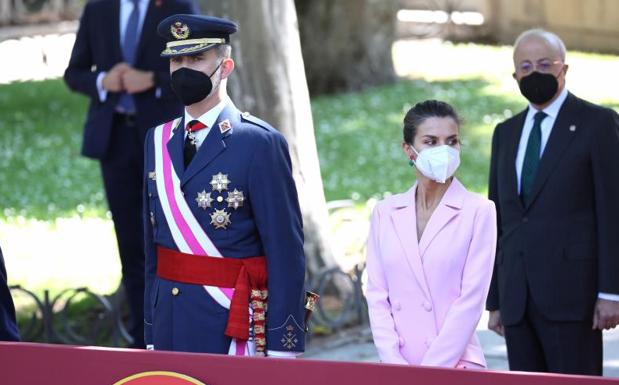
<point x="542" y="65"/>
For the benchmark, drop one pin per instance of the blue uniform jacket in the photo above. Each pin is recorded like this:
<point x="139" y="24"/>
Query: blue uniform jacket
<point x="255" y="158"/>
<point x="8" y="327"/>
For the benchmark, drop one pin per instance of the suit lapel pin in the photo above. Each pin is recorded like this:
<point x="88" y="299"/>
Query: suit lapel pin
<point x="573" y="128"/>
<point x="224" y="126"/>
<point x="152" y="175"/>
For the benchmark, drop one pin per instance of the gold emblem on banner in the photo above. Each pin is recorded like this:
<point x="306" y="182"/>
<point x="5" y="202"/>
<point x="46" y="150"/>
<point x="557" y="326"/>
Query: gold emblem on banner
<point x="158" y="377"/>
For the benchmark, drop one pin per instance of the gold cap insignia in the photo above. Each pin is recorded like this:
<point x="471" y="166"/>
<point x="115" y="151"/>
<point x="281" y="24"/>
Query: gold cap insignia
<point x="179" y="30"/>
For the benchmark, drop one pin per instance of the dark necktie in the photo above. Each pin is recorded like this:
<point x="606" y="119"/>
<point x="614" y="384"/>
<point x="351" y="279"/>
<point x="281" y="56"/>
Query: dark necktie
<point x="129" y="46"/>
<point x="531" y="157"/>
<point x="189" y="149"/>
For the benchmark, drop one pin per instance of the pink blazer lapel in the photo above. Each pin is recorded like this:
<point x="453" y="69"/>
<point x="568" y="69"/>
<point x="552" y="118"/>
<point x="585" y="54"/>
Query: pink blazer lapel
<point x="405" y="224"/>
<point x="447" y="209"/>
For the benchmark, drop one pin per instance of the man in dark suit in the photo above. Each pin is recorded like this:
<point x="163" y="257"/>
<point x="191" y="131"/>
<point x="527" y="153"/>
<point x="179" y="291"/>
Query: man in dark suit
<point x="554" y="177"/>
<point x="221" y="213"/>
<point x="8" y="326"/>
<point x="115" y="62"/>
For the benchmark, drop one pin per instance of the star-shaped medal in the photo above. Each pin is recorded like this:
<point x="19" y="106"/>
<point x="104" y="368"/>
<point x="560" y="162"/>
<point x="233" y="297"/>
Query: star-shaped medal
<point x="220" y="219"/>
<point x="235" y="199"/>
<point x="220" y="182"/>
<point x="204" y="199"/>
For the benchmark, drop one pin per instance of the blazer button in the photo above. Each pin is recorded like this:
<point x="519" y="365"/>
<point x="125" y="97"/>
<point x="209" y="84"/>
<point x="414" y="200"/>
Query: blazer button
<point x="397" y="306"/>
<point x="525" y="219"/>
<point x="427" y="306"/>
<point x="175" y="291"/>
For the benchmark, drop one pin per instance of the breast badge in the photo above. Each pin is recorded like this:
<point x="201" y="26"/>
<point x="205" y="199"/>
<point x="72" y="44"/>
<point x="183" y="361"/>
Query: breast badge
<point x="220" y="219"/>
<point x="220" y="182"/>
<point x="204" y="199"/>
<point x="220" y="200"/>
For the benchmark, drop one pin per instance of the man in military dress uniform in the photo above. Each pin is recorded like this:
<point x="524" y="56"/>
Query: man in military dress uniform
<point x="224" y="239"/>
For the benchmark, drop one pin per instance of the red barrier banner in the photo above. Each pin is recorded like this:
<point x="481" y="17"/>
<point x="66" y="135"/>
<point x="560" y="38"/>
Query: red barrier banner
<point x="41" y="364"/>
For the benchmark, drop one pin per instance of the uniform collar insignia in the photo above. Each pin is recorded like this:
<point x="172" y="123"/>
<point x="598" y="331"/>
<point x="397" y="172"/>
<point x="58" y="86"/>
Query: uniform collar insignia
<point x="225" y="126"/>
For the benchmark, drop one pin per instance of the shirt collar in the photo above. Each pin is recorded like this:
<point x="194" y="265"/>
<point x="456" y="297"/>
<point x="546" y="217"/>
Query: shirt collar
<point x="210" y="117"/>
<point x="552" y="110"/>
<point x="129" y="2"/>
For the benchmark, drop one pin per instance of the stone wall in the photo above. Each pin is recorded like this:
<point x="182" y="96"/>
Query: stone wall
<point x="591" y="25"/>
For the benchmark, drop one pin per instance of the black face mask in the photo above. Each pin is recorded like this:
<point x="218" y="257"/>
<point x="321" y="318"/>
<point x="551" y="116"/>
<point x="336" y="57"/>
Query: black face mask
<point x="191" y="86"/>
<point x="539" y="88"/>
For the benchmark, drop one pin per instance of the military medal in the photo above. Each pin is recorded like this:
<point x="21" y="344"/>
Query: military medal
<point x="220" y="219"/>
<point x="235" y="199"/>
<point x="220" y="182"/>
<point x="204" y="199"/>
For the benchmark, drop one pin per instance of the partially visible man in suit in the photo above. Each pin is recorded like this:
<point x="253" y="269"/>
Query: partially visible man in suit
<point x="8" y="326"/>
<point x="554" y="177"/>
<point x="115" y="62"/>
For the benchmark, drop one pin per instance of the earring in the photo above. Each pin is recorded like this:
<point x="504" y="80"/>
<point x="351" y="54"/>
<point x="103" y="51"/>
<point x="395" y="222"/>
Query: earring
<point x="411" y="163"/>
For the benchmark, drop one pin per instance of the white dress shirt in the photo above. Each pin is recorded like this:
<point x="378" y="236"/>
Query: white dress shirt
<point x="208" y="119"/>
<point x="552" y="111"/>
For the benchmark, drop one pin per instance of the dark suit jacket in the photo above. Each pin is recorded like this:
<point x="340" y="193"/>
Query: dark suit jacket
<point x="563" y="246"/>
<point x="8" y="327"/>
<point x="97" y="48"/>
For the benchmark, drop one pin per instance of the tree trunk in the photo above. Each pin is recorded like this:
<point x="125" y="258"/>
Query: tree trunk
<point x="269" y="81"/>
<point x="347" y="43"/>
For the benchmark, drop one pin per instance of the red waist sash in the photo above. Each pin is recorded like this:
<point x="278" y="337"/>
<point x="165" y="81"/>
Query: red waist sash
<point x="244" y="275"/>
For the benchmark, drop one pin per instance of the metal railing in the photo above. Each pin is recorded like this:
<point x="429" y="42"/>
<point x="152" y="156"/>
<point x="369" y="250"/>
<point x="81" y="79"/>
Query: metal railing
<point x="73" y="316"/>
<point x="81" y="317"/>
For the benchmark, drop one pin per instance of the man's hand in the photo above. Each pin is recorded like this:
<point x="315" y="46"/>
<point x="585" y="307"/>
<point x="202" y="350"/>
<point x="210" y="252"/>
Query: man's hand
<point x="113" y="79"/>
<point x="605" y="314"/>
<point x="136" y="81"/>
<point x="495" y="324"/>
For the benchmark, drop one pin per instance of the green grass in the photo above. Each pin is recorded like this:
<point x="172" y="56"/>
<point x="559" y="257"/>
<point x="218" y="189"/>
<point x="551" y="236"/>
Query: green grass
<point x="358" y="138"/>
<point x="53" y="224"/>
<point x="359" y="135"/>
<point x="43" y="174"/>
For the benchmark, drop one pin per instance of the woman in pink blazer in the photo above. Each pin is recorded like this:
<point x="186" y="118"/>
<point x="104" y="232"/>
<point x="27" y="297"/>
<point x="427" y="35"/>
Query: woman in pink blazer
<point x="430" y="253"/>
